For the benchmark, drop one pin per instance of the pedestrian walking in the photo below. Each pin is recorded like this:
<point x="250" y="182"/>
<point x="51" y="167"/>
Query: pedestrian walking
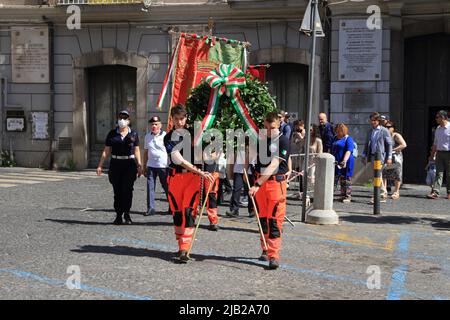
<point x="378" y="141"/>
<point x="430" y="168"/>
<point x="383" y="120"/>
<point x="285" y="127"/>
<point x="298" y="138"/>
<point x="122" y="143"/>
<point x="315" y="147"/>
<point x="269" y="188"/>
<point x="394" y="171"/>
<point x="156" y="162"/>
<point x="184" y="180"/>
<point x="224" y="184"/>
<point x="244" y="161"/>
<point x="441" y="150"/>
<point x="326" y="132"/>
<point x="342" y="151"/>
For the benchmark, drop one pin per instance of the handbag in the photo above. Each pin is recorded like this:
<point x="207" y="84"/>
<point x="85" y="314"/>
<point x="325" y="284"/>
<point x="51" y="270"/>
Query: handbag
<point x="397" y="158"/>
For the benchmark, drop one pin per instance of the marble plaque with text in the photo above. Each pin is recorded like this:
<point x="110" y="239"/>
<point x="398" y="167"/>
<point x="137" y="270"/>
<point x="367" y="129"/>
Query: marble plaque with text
<point x="360" y="51"/>
<point x="30" y="54"/>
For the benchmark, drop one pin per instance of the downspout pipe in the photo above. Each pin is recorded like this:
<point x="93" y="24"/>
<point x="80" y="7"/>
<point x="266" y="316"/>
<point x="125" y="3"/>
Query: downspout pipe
<point x="51" y="115"/>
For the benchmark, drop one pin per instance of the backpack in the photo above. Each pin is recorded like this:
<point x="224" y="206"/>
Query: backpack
<point x="355" y="148"/>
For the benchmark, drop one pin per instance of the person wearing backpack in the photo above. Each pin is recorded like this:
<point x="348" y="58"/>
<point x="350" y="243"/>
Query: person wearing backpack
<point x="343" y="149"/>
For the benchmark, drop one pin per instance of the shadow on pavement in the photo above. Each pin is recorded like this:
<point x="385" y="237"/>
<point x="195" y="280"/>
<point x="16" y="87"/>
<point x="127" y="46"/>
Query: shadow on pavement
<point x="148" y="223"/>
<point x="94" y="210"/>
<point x="163" y="255"/>
<point x="359" y="218"/>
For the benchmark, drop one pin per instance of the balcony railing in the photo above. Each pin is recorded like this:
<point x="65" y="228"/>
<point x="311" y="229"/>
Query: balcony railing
<point x="96" y="2"/>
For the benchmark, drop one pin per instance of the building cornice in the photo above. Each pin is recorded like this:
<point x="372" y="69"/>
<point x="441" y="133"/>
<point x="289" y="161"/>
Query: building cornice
<point x="155" y="14"/>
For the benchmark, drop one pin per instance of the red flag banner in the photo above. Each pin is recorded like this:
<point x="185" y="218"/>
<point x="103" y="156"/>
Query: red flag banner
<point x="258" y="71"/>
<point x="195" y="56"/>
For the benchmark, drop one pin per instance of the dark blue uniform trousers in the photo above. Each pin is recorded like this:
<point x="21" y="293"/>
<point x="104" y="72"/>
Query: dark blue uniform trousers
<point x="122" y="174"/>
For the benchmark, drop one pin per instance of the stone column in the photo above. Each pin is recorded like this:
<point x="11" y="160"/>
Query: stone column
<point x="323" y="212"/>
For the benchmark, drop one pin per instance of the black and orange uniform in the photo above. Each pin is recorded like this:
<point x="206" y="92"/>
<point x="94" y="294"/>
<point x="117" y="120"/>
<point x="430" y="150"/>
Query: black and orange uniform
<point x="183" y="193"/>
<point x="211" y="205"/>
<point x="271" y="196"/>
<point x="122" y="168"/>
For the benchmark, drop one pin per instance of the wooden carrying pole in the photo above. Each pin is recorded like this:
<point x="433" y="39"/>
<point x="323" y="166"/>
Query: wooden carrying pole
<point x="256" y="211"/>
<point x="200" y="217"/>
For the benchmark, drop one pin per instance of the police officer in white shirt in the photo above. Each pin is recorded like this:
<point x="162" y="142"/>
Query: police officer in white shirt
<point x="156" y="161"/>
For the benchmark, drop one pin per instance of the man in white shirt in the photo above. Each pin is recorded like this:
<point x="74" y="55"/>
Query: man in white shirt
<point x="441" y="149"/>
<point x="156" y="161"/>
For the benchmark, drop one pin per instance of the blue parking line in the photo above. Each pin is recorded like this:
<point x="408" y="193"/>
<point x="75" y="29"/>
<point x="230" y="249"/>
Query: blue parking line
<point x="352" y="247"/>
<point x="319" y="274"/>
<point x="398" y="279"/>
<point x="83" y="287"/>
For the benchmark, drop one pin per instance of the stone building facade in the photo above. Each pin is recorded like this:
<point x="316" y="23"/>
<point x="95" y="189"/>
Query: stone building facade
<point x="120" y="55"/>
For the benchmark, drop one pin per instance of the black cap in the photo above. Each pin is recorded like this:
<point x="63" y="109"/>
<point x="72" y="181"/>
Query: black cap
<point x="154" y="119"/>
<point x="124" y="112"/>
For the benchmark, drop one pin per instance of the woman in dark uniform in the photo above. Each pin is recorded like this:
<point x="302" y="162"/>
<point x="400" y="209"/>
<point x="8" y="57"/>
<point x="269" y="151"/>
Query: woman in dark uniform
<point x="123" y="145"/>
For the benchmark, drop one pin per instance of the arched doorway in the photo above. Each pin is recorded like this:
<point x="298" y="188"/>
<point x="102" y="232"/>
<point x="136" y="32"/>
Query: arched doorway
<point x="109" y="80"/>
<point x="427" y="90"/>
<point x="112" y="88"/>
<point x="288" y="77"/>
<point x="289" y="83"/>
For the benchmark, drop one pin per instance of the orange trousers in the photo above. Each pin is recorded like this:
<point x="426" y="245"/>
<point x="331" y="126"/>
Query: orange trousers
<point x="271" y="203"/>
<point x="183" y="201"/>
<point x="211" y="205"/>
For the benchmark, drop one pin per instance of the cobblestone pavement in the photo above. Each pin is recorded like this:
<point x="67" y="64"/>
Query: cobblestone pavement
<point x="64" y="219"/>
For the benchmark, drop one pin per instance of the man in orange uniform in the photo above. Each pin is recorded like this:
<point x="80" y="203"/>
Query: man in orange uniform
<point x="269" y="189"/>
<point x="183" y="180"/>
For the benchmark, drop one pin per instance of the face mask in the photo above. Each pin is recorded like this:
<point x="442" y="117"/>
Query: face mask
<point x="122" y="123"/>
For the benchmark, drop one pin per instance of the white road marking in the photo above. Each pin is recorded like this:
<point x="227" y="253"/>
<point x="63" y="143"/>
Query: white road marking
<point x="22" y="181"/>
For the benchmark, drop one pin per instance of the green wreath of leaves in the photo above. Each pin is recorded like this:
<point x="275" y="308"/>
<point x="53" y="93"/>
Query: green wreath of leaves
<point x="255" y="95"/>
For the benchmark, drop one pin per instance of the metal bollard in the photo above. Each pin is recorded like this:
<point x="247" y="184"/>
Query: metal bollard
<point x="376" y="183"/>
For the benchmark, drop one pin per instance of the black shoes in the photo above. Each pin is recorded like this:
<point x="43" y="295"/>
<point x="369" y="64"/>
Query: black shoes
<point x="118" y="220"/>
<point x="183" y="257"/>
<point x="213" y="227"/>
<point x="232" y="214"/>
<point x="273" y="264"/>
<point x="252" y="214"/>
<point x="264" y="256"/>
<point x="127" y="218"/>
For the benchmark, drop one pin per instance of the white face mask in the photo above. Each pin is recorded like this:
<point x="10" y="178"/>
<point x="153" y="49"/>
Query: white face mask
<point x="122" y="123"/>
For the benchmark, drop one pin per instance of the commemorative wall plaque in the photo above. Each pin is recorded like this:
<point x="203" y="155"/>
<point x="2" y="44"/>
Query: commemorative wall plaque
<point x="30" y="54"/>
<point x="360" y="51"/>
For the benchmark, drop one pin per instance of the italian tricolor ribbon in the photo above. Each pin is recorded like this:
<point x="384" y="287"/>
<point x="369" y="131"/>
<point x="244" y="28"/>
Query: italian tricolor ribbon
<point x="226" y="79"/>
